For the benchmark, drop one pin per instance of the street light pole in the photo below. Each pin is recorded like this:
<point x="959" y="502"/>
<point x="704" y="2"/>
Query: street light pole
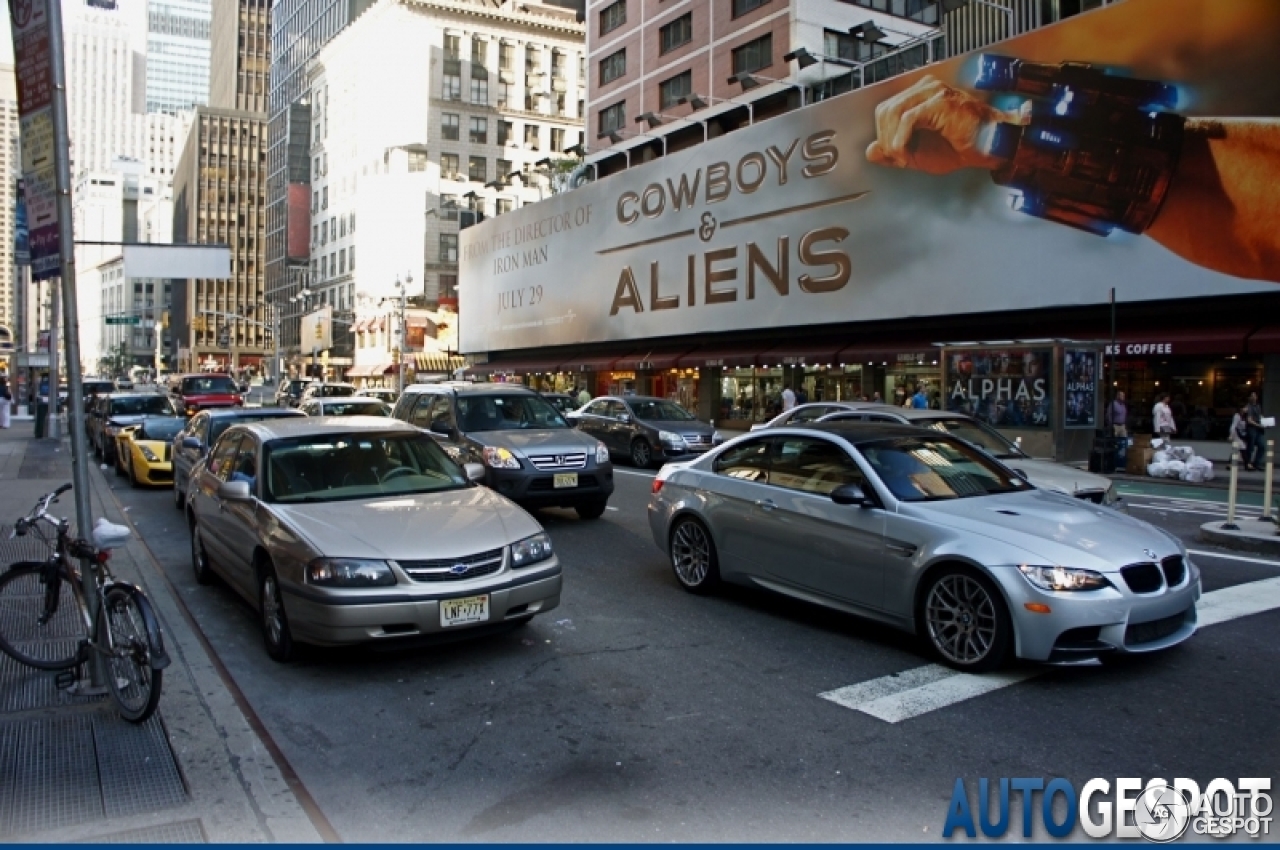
<point x="402" y="287"/>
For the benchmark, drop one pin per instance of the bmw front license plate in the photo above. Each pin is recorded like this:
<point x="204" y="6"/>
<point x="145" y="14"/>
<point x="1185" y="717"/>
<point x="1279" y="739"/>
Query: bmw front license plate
<point x="460" y="612"/>
<point x="566" y="479"/>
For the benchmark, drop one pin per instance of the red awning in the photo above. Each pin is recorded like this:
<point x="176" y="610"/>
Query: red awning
<point x="1156" y="342"/>
<point x="1265" y="341"/>
<point x="801" y="355"/>
<point x="730" y="358"/>
<point x="589" y="363"/>
<point x="650" y="360"/>
<point x="882" y="355"/>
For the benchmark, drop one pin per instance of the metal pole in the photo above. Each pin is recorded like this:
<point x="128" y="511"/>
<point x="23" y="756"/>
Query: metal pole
<point x="1266" y="482"/>
<point x="51" y="429"/>
<point x="1230" y="524"/>
<point x="75" y="391"/>
<point x="404" y="342"/>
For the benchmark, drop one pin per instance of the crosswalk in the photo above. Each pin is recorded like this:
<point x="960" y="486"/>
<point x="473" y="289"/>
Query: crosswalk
<point x="920" y="690"/>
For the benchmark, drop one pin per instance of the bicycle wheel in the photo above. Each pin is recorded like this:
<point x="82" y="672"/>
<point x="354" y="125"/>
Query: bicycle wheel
<point x="51" y="646"/>
<point x="135" y="687"/>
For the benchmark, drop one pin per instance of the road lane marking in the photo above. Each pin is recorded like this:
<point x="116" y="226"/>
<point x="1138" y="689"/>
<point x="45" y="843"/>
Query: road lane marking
<point x="1227" y="557"/>
<point x="1165" y="509"/>
<point x="920" y="690"/>
<point x="635" y="472"/>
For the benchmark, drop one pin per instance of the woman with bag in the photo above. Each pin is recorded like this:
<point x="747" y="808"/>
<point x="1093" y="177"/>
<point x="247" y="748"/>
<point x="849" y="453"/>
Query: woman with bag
<point x="5" y="398"/>
<point x="1240" y="434"/>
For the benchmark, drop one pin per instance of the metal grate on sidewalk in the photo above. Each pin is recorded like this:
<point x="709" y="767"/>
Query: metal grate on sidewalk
<point x="179" y="832"/>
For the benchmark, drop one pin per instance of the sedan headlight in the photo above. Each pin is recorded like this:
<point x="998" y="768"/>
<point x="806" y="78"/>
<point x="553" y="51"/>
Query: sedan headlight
<point x="1063" y="578"/>
<point x="349" y="572"/>
<point x="499" y="458"/>
<point x="148" y="454"/>
<point x="717" y="437"/>
<point x="602" y="453"/>
<point x="670" y="437"/>
<point x="531" y="550"/>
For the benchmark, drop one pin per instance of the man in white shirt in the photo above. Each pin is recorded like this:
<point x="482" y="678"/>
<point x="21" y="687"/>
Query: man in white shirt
<point x="1162" y="419"/>
<point x="788" y="399"/>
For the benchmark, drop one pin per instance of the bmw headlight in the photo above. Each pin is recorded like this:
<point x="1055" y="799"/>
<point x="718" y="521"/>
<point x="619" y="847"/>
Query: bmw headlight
<point x="349" y="572"/>
<point x="531" y="550"/>
<point x="670" y="437"/>
<point x="602" y="453"/>
<point x="148" y="454"/>
<point x="1063" y="578"/>
<point x="499" y="458"/>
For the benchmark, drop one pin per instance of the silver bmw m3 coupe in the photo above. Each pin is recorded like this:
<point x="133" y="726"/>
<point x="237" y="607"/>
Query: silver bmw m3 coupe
<point x="922" y="531"/>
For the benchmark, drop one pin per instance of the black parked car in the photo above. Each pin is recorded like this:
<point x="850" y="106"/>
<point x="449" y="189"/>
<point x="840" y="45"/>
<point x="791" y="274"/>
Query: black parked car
<point x="290" y="390"/>
<point x="191" y="444"/>
<point x="646" y="429"/>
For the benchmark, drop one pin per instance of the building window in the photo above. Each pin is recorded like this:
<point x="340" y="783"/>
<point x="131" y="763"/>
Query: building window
<point x="613" y="66"/>
<point x="531" y="137"/>
<point x="502" y="205"/>
<point x="613" y="16"/>
<point x="479" y="47"/>
<point x="342" y="262"/>
<point x="480" y="131"/>
<point x="562" y="103"/>
<point x="557" y="140"/>
<point x="417" y="162"/>
<point x="477" y="168"/>
<point x="449" y="207"/>
<point x="351" y="258"/>
<point x="677" y="33"/>
<point x="448" y="247"/>
<point x="670" y="91"/>
<point x="504" y="168"/>
<point x="532" y="61"/>
<point x="449" y="166"/>
<point x="451" y="86"/>
<point x="448" y="286"/>
<point x="506" y="56"/>
<point x="452" y="47"/>
<point x="557" y="64"/>
<point x="753" y="55"/>
<point x="479" y="90"/>
<point x="741" y="7"/>
<point x="613" y="118"/>
<point x="449" y="124"/>
<point x="504" y="132"/>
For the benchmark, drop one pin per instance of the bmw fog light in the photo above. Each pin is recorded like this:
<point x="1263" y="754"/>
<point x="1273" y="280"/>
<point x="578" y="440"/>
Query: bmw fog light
<point x="1063" y="578"/>
<point x="349" y="572"/>
<point x="531" y="550"/>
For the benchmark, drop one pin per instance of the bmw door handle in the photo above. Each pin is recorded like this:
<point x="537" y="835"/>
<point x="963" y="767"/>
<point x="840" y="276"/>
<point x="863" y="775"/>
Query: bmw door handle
<point x="765" y="504"/>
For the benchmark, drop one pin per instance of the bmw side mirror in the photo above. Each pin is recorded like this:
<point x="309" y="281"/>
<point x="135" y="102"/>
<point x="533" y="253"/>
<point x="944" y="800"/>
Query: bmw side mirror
<point x="235" y="491"/>
<point x="475" y="472"/>
<point x="192" y="443"/>
<point x="1020" y="473"/>
<point x="850" y="494"/>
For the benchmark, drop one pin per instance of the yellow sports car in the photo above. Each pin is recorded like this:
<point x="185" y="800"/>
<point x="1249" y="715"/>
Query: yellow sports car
<point x="144" y="450"/>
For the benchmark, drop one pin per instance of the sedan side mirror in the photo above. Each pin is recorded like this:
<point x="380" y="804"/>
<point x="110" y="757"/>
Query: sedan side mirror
<point x="624" y="418"/>
<point x="192" y="443"/>
<point x="235" y="491"/>
<point x="850" y="494"/>
<point x="475" y="472"/>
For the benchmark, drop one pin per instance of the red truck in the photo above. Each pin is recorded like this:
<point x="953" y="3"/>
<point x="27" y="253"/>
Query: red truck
<point x="193" y="393"/>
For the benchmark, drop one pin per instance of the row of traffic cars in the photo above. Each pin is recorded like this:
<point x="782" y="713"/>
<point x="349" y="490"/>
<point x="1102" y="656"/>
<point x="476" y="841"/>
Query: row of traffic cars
<point x="345" y="530"/>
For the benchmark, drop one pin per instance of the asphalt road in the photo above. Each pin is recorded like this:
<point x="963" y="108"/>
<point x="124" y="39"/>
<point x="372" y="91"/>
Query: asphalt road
<point x="637" y="712"/>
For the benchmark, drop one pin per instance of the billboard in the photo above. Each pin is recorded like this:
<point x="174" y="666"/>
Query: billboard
<point x="1125" y="147"/>
<point x="1009" y="387"/>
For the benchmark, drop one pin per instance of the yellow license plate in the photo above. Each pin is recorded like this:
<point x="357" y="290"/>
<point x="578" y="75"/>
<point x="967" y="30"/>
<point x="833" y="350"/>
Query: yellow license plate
<point x="459" y="612"/>
<point x="566" y="479"/>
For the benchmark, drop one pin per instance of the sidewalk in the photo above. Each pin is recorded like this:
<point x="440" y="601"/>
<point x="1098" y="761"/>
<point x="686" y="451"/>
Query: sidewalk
<point x="74" y="771"/>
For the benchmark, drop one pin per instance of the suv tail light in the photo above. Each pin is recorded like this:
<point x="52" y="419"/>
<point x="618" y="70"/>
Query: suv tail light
<point x="656" y="486"/>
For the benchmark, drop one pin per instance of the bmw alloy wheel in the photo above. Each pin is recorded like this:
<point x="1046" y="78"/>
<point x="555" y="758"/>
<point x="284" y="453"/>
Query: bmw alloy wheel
<point x="693" y="556"/>
<point x="966" y="622"/>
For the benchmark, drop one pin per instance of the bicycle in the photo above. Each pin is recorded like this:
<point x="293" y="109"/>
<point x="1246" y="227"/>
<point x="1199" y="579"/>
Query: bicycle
<point x="45" y="621"/>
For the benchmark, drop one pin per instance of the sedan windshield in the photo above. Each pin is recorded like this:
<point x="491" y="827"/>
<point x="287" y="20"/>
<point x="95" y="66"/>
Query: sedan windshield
<point x="976" y="433"/>
<point x="208" y="384"/>
<point x="338" y="467"/>
<point x="355" y="408"/>
<point x="156" y="405"/>
<point x="660" y="411"/>
<point x="507" y="413"/>
<point x="920" y="469"/>
<point x="222" y="423"/>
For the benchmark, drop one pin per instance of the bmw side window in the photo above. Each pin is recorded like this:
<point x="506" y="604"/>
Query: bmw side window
<point x="223" y="457"/>
<point x="812" y="466"/>
<point x="745" y="461"/>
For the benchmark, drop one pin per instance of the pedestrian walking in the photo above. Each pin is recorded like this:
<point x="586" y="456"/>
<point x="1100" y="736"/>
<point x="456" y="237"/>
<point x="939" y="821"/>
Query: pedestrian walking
<point x="1118" y="416"/>
<point x="876" y="398"/>
<point x="584" y="397"/>
<point x="1254" y="452"/>
<point x="1162" y="419"/>
<point x="1240" y="433"/>
<point x="5" y="398"/>
<point x="920" y="401"/>
<point x="788" y="399"/>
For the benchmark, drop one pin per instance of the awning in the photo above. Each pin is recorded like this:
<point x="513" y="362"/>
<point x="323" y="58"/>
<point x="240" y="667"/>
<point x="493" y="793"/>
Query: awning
<point x="362" y="325"/>
<point x="359" y="372"/>
<point x="731" y="358"/>
<point x="435" y="361"/>
<point x="589" y="363"/>
<point x="1156" y="342"/>
<point x="513" y="367"/>
<point x="817" y="354"/>
<point x="1265" y="341"/>
<point x="652" y="360"/>
<point x="872" y="355"/>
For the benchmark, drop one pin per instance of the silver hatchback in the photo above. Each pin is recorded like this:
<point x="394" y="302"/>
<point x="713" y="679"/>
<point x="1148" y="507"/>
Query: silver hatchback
<point x="923" y="531"/>
<point x="354" y="529"/>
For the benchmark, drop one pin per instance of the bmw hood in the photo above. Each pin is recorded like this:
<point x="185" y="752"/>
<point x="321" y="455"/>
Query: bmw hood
<point x="538" y="441"/>
<point x="1050" y="529"/>
<point x="411" y="526"/>
<point x="1059" y="477"/>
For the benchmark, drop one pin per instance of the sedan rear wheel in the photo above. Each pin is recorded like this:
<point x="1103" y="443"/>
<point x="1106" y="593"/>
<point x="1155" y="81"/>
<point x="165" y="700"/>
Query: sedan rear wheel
<point x="693" y="556"/>
<point x="966" y="621"/>
<point x="275" y="625"/>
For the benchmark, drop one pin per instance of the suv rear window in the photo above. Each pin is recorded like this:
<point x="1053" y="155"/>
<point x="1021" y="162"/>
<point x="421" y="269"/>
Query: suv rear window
<point x="207" y="384"/>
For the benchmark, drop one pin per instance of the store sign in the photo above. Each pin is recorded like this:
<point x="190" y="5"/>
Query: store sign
<point x="1008" y="387"/>
<point x="1140" y="348"/>
<point x="811" y="218"/>
<point x="1080" y="386"/>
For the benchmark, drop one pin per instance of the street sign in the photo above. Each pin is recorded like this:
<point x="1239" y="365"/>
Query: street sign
<point x="123" y="320"/>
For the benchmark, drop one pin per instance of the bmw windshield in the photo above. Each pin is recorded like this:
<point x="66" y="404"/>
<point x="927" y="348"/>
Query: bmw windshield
<point x="341" y="467"/>
<point x="923" y="469"/>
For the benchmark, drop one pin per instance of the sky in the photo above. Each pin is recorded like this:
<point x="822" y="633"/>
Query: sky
<point x="6" y="41"/>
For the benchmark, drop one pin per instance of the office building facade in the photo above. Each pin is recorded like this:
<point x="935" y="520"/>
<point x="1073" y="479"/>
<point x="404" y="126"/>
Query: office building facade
<point x="177" y="55"/>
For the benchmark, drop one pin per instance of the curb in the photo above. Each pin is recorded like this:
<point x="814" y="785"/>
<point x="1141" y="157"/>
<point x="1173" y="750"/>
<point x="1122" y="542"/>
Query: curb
<point x="1218" y="483"/>
<point x="1255" y="535"/>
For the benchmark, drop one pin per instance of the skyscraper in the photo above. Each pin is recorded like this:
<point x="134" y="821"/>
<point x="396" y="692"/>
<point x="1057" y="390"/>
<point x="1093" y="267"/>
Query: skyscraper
<point x="106" y="88"/>
<point x="177" y="54"/>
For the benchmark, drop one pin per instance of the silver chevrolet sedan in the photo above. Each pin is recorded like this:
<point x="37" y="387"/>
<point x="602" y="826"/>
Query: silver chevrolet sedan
<point x="345" y="530"/>
<point x="925" y="532"/>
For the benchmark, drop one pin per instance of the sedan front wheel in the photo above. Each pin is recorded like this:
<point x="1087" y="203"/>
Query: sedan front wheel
<point x="966" y="622"/>
<point x="693" y="556"/>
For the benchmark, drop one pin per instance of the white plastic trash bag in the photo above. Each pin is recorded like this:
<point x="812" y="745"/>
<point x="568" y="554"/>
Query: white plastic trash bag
<point x="1157" y="469"/>
<point x="1161" y="456"/>
<point x="1157" y="443"/>
<point x="1183" y="453"/>
<point x="1175" y="468"/>
<point x="108" y="535"/>
<point x="1203" y="468"/>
